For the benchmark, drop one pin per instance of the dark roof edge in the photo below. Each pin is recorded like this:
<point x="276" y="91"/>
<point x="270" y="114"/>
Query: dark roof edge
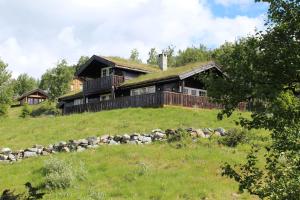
<point x="132" y="69"/>
<point x="210" y="65"/>
<point x="32" y="91"/>
<point x="71" y="97"/>
<point x="87" y="63"/>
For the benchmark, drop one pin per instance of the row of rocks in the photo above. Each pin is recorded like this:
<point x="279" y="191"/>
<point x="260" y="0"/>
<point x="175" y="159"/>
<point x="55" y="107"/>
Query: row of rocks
<point x="7" y="155"/>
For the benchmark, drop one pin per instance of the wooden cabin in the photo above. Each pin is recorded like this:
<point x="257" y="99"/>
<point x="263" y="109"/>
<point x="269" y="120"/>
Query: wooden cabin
<point x="33" y="97"/>
<point x="110" y="83"/>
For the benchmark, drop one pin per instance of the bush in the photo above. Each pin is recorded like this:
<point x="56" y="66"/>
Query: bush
<point x="233" y="137"/>
<point x="26" y="111"/>
<point x="47" y="108"/>
<point x="60" y="174"/>
<point x="177" y="135"/>
<point x="3" y="109"/>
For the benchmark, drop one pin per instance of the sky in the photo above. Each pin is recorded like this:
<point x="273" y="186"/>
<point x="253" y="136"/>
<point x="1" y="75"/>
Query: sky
<point x="36" y="34"/>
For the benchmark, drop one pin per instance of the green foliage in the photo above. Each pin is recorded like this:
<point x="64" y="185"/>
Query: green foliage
<point x="134" y="56"/>
<point x="61" y="175"/>
<point x="24" y="83"/>
<point x="264" y="71"/>
<point x="152" y="60"/>
<point x="6" y="90"/>
<point x="233" y="137"/>
<point x="192" y="54"/>
<point x="57" y="80"/>
<point x="82" y="60"/>
<point x="9" y="195"/>
<point x="46" y="108"/>
<point x="26" y="111"/>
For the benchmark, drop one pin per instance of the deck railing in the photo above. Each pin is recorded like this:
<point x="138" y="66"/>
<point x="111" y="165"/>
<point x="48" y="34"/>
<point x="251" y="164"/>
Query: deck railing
<point x="101" y="84"/>
<point x="147" y="100"/>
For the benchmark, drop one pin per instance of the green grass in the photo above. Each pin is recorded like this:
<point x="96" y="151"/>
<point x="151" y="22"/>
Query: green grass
<point x="170" y="73"/>
<point x="192" y="172"/>
<point x="21" y="133"/>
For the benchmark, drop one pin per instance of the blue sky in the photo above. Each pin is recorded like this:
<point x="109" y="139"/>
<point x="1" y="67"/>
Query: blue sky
<point x="35" y="34"/>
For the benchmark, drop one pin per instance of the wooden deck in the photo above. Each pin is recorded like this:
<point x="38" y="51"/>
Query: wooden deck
<point x="101" y="84"/>
<point x="147" y="100"/>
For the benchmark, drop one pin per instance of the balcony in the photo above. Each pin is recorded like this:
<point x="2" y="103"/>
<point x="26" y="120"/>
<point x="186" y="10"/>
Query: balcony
<point x="101" y="84"/>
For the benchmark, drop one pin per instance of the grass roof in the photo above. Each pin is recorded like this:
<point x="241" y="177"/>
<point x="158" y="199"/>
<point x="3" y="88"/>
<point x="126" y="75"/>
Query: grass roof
<point x="132" y="64"/>
<point x="71" y="94"/>
<point x="170" y="73"/>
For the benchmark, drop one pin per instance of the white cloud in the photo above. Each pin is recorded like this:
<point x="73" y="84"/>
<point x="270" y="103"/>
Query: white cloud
<point x="46" y="31"/>
<point x="234" y="2"/>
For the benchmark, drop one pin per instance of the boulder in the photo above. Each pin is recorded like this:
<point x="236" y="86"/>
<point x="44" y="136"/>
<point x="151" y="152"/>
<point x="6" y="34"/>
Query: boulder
<point x="113" y="142"/>
<point x="221" y="130"/>
<point x="3" y="157"/>
<point x="28" y="154"/>
<point x="65" y="149"/>
<point x="6" y="151"/>
<point x="170" y="132"/>
<point x="159" y="135"/>
<point x="80" y="149"/>
<point x="200" y="133"/>
<point x="145" y="139"/>
<point x="35" y="150"/>
<point x="92" y="140"/>
<point x="45" y="153"/>
<point x="157" y="131"/>
<point x="11" y="157"/>
<point x="125" y="138"/>
<point x="117" y="138"/>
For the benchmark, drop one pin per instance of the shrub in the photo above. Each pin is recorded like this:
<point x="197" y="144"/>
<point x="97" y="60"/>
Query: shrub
<point x="47" y="108"/>
<point x="233" y="137"/>
<point x="60" y="174"/>
<point x="178" y="135"/>
<point x="33" y="194"/>
<point x="26" y="111"/>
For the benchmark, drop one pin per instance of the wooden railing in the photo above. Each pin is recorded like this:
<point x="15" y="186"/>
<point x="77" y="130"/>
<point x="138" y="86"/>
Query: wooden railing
<point x="101" y="84"/>
<point x="147" y="100"/>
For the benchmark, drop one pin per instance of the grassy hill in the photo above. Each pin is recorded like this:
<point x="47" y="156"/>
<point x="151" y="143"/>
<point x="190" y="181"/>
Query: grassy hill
<point x="192" y="172"/>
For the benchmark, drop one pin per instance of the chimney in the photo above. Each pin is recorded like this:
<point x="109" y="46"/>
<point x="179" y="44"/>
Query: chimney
<point x="163" y="61"/>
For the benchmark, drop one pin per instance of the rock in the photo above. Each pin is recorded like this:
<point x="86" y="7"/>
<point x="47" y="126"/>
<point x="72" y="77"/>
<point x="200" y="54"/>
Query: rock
<point x="3" y="157"/>
<point x="35" y="150"/>
<point x="117" y="138"/>
<point x="104" y="138"/>
<point x="159" y="135"/>
<point x="221" y="130"/>
<point x="145" y="139"/>
<point x="28" y="154"/>
<point x="45" y="153"/>
<point x="6" y="151"/>
<point x="62" y="144"/>
<point x="80" y="149"/>
<point x="65" y="149"/>
<point x="125" y="138"/>
<point x="157" y="130"/>
<point x="200" y="133"/>
<point x="113" y="142"/>
<point x="207" y="131"/>
<point x="170" y="132"/>
<point x="83" y="142"/>
<point x="11" y="157"/>
<point x="92" y="140"/>
<point x="217" y="133"/>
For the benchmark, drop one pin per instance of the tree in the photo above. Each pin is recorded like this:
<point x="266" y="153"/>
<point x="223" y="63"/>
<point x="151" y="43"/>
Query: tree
<point x="57" y="80"/>
<point x="82" y="60"/>
<point x="152" y="60"/>
<point x="134" y="56"/>
<point x="192" y="54"/>
<point x="6" y="90"/>
<point x="24" y="83"/>
<point x="264" y="71"/>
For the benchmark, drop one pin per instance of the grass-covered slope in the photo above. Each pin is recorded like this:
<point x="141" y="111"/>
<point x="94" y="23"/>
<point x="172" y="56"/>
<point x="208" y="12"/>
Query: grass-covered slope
<point x="18" y="133"/>
<point x="191" y="172"/>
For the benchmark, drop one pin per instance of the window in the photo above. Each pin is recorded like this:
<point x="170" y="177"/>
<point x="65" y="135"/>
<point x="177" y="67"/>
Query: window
<point x="194" y="91"/>
<point x="144" y="90"/>
<point x="107" y="71"/>
<point x="105" y="97"/>
<point x="78" y="102"/>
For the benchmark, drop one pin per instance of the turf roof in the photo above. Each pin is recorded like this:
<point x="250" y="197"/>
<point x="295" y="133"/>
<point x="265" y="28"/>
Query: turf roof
<point x="172" y="72"/>
<point x="132" y="64"/>
<point x="71" y="94"/>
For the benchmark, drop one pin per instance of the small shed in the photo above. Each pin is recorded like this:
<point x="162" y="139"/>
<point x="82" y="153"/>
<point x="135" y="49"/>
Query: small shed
<point x="33" y="97"/>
